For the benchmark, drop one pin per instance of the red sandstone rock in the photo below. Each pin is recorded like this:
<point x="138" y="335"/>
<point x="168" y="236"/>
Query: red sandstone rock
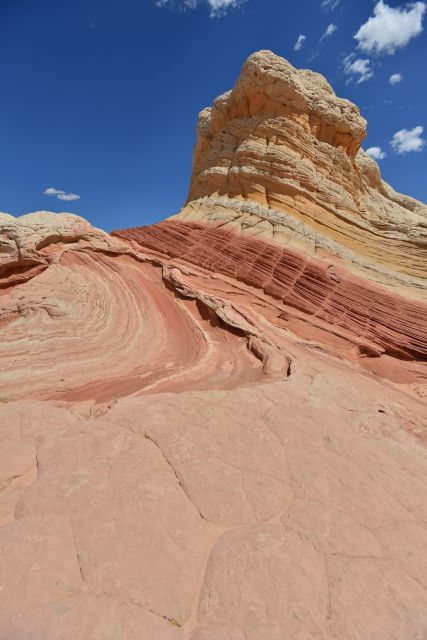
<point x="209" y="435"/>
<point x="378" y="320"/>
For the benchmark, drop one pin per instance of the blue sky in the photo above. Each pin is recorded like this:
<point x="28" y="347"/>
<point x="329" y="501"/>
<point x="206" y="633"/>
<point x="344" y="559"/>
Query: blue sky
<point x="100" y="97"/>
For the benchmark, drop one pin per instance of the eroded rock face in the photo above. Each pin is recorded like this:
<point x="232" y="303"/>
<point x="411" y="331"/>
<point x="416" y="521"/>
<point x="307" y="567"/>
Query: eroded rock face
<point x="283" y="199"/>
<point x="30" y="243"/>
<point x="279" y="157"/>
<point x="214" y="428"/>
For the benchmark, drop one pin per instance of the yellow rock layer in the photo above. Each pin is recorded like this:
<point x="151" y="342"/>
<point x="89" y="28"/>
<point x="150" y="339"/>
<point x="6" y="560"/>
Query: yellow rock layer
<point x="280" y="157"/>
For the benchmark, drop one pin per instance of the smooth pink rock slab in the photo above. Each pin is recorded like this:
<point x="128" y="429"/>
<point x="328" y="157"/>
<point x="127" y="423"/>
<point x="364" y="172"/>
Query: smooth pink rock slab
<point x="140" y="484"/>
<point x="265" y="575"/>
<point x="268" y="632"/>
<point x="18" y="469"/>
<point x="330" y="531"/>
<point x="370" y="598"/>
<point x="335" y="481"/>
<point x="235" y="475"/>
<point x="34" y="420"/>
<point x="136" y="532"/>
<point x="38" y="564"/>
<point x="146" y="546"/>
<point x="396" y="541"/>
<point x="87" y="467"/>
<point x="88" y="617"/>
<point x="16" y="458"/>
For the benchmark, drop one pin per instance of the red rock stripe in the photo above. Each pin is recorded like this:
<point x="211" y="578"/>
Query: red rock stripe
<point x="369" y="311"/>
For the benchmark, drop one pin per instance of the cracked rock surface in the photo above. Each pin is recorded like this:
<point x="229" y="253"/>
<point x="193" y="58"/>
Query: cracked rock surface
<point x="220" y="513"/>
<point x="210" y="436"/>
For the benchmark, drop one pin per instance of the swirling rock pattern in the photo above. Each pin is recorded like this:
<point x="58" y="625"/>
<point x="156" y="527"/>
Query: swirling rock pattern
<point x="214" y="428"/>
<point x="379" y="321"/>
<point x="103" y="310"/>
<point x="283" y="199"/>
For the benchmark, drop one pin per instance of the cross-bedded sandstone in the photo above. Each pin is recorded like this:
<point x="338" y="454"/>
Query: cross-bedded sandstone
<point x="213" y="428"/>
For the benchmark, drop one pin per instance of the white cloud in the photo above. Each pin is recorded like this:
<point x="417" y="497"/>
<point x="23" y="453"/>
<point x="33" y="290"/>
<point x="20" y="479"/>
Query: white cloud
<point x="395" y="78"/>
<point x="217" y="8"/>
<point x="61" y="195"/>
<point x="176" y="4"/>
<point x="300" y="41"/>
<point x="390" y="28"/>
<point x="359" y="69"/>
<point x="407" y="140"/>
<point x="376" y="152"/>
<point x="329" y="31"/>
<point x="329" y="5"/>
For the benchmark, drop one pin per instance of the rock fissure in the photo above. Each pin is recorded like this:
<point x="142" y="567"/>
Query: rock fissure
<point x="193" y="446"/>
<point x="177" y="477"/>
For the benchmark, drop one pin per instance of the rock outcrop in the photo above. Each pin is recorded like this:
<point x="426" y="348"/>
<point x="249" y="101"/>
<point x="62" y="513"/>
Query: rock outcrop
<point x="279" y="157"/>
<point x="283" y="199"/>
<point x="214" y="428"/>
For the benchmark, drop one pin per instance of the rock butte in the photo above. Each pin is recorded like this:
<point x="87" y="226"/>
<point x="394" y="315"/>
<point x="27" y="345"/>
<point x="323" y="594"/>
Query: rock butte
<point x="214" y="428"/>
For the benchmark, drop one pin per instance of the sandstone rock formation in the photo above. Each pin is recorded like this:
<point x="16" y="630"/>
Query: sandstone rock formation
<point x="279" y="157"/>
<point x="283" y="198"/>
<point x="214" y="428"/>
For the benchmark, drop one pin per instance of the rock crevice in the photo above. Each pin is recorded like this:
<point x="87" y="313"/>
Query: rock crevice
<point x="214" y="428"/>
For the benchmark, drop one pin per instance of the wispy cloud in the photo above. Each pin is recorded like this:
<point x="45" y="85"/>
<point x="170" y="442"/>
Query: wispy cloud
<point x="329" y="31"/>
<point x="60" y="194"/>
<point x="390" y="28"/>
<point x="395" y="78"/>
<point x="358" y="69"/>
<point x="217" y="8"/>
<point x="300" y="41"/>
<point x="376" y="152"/>
<point x="407" y="140"/>
<point x="176" y="4"/>
<point x="329" y="5"/>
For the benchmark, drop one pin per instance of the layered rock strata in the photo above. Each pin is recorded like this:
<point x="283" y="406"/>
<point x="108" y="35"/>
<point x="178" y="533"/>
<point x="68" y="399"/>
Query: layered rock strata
<point x="283" y="199"/>
<point x="361" y="311"/>
<point x="215" y="428"/>
<point x="91" y="304"/>
<point x="280" y="157"/>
